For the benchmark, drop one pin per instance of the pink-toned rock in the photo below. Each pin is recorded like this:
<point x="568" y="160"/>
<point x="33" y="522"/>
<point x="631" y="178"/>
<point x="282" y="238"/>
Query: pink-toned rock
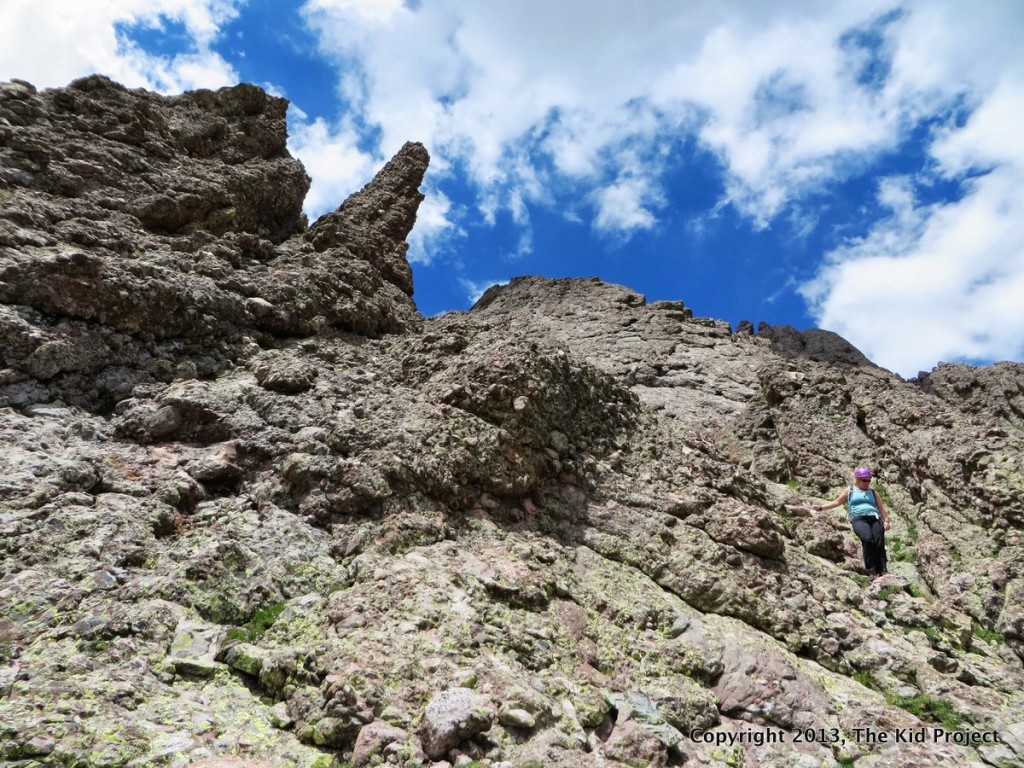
<point x="373" y="739"/>
<point x="454" y="715"/>
<point x="632" y="744"/>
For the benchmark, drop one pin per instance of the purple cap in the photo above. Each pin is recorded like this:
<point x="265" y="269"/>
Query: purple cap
<point x="862" y="472"/>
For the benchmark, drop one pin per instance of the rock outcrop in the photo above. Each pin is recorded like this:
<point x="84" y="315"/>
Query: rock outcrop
<point x="254" y="507"/>
<point x="144" y="236"/>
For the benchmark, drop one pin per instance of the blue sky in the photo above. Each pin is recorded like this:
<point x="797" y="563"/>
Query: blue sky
<point x="856" y="166"/>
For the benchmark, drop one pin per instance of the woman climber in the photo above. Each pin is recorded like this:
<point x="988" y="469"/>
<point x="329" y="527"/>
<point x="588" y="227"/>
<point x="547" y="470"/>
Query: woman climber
<point x="869" y="518"/>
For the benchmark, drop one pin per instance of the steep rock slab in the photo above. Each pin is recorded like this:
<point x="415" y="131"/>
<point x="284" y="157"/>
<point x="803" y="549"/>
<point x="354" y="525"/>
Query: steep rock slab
<point x="804" y="408"/>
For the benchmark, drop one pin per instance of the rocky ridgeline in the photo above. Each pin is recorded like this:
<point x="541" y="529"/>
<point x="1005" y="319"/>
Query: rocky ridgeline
<point x="254" y="507"/>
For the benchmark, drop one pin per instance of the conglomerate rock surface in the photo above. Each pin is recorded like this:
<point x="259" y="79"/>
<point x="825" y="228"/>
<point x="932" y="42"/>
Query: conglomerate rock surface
<point x="255" y="510"/>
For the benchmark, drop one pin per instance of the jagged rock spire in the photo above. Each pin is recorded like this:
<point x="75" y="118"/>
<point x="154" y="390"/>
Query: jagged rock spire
<point x="376" y="220"/>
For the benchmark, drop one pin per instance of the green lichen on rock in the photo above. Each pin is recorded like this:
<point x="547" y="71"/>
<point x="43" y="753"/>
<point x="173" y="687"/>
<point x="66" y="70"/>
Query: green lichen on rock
<point x="257" y="625"/>
<point x="930" y="708"/>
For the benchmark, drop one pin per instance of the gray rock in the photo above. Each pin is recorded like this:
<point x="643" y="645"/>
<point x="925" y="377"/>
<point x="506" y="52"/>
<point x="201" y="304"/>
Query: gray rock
<point x="374" y="739"/>
<point x="452" y="716"/>
<point x="814" y="344"/>
<point x="245" y="658"/>
<point x="181" y="233"/>
<point x="514" y="717"/>
<point x="633" y="744"/>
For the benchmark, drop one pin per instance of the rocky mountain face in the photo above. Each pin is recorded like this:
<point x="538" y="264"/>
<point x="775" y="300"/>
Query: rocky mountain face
<point x="254" y="509"/>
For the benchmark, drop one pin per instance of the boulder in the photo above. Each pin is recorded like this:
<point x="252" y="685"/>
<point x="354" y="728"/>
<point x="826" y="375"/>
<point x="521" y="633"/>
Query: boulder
<point x="452" y="716"/>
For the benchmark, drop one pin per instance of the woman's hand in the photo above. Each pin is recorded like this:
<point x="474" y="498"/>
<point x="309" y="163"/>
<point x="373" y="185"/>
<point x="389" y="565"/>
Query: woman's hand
<point x="886" y="525"/>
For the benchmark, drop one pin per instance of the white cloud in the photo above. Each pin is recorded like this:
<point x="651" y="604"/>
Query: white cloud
<point x="332" y="157"/>
<point x="946" y="279"/>
<point x="487" y="85"/>
<point x="478" y="80"/>
<point x="773" y="84"/>
<point x="81" y="38"/>
<point x="435" y="232"/>
<point x="990" y="137"/>
<point x="623" y="206"/>
<point x="372" y="11"/>
<point x="943" y="281"/>
<point x="940" y="282"/>
<point x="784" y="111"/>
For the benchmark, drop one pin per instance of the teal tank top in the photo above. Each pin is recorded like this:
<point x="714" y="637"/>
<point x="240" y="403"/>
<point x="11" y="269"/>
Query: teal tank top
<point x="862" y="504"/>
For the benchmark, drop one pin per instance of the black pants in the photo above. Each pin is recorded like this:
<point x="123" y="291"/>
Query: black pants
<point x="871" y="533"/>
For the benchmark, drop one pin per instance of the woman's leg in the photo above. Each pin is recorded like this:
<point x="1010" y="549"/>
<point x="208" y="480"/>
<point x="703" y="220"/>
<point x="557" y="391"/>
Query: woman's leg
<point x="867" y="539"/>
<point x="878" y="540"/>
